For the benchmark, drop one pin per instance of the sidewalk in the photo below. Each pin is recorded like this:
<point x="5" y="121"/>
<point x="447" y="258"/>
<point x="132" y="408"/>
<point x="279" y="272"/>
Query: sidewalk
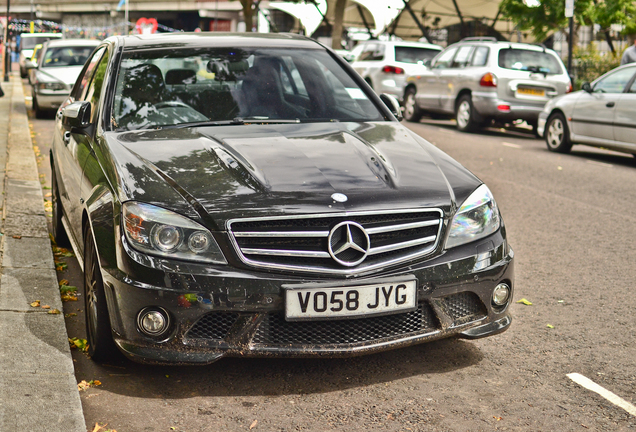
<point x="38" y="390"/>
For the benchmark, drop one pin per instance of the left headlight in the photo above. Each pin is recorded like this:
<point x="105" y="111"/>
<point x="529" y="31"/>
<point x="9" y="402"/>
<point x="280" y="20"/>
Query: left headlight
<point x="157" y="231"/>
<point x="477" y="217"/>
<point x="51" y="86"/>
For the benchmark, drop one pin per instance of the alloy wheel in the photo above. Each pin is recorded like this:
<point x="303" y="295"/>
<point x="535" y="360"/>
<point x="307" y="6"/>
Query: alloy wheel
<point x="463" y="114"/>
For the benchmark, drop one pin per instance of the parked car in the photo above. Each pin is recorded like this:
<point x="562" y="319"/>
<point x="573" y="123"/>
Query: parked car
<point x="59" y="64"/>
<point x="603" y="114"/>
<point x="33" y="61"/>
<point x="28" y="41"/>
<point x="480" y="80"/>
<point x="384" y="65"/>
<point x="271" y="206"/>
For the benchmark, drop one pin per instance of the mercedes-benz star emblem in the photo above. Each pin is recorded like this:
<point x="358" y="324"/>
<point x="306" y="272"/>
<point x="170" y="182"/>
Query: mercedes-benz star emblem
<point x="348" y="243"/>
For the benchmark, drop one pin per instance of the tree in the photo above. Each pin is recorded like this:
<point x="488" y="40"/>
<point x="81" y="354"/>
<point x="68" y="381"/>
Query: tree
<point x="608" y="12"/>
<point x="248" y="8"/>
<point x="544" y="19"/>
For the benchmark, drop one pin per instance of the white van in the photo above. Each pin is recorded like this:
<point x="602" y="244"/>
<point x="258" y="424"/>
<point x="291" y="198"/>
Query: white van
<point x="28" y="41"/>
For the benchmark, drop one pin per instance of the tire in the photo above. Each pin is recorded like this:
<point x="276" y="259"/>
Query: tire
<point x="412" y="112"/>
<point x="465" y="114"/>
<point x="99" y="337"/>
<point x="59" y="233"/>
<point x="557" y="134"/>
<point x="39" y="113"/>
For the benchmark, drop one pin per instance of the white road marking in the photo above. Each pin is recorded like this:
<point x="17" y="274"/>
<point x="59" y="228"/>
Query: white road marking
<point x="600" y="163"/>
<point x="592" y="386"/>
<point x="507" y="144"/>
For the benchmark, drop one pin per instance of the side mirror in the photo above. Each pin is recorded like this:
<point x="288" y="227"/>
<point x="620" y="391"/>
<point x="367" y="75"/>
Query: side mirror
<point x="348" y="57"/>
<point x="30" y="65"/>
<point x="587" y="87"/>
<point x="77" y="114"/>
<point x="394" y="106"/>
<point x="427" y="63"/>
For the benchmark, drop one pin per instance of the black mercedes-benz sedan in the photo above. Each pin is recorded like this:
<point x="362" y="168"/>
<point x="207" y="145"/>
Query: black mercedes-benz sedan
<point x="244" y="195"/>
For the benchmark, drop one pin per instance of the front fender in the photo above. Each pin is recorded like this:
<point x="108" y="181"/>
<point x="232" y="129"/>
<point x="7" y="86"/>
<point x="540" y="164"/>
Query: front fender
<point x="101" y="210"/>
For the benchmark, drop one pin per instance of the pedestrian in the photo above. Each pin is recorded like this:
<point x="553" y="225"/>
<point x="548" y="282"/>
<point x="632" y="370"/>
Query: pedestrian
<point x="629" y="56"/>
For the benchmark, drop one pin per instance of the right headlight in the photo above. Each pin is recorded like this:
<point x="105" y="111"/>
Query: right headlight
<point x="477" y="217"/>
<point x="157" y="231"/>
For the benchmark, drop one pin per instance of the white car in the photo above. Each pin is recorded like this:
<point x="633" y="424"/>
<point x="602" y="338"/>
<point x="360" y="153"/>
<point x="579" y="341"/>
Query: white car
<point x="60" y="63"/>
<point x="603" y="114"/>
<point x="384" y="65"/>
<point x="28" y="41"/>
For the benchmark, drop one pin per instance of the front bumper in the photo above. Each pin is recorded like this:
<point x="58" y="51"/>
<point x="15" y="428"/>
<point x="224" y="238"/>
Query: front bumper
<point x="486" y="104"/>
<point x="51" y="99"/>
<point x="543" y="119"/>
<point x="233" y="312"/>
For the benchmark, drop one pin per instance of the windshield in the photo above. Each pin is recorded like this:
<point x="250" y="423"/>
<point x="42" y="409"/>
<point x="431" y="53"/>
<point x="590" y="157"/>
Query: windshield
<point x="413" y="54"/>
<point x="223" y="85"/>
<point x="31" y="42"/>
<point x="66" y="56"/>
<point x="527" y="60"/>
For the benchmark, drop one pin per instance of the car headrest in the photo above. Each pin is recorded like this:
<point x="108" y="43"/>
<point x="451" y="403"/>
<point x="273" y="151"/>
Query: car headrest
<point x="227" y="70"/>
<point x="181" y="76"/>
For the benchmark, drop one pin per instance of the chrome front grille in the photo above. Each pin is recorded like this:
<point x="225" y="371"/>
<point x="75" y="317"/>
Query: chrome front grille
<point x="311" y="242"/>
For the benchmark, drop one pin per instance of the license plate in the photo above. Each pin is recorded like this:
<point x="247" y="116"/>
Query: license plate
<point x="531" y="91"/>
<point x="319" y="302"/>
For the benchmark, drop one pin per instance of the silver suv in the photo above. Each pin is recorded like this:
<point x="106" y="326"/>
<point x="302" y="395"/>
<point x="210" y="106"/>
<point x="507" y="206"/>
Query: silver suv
<point x="384" y="65"/>
<point x="481" y="80"/>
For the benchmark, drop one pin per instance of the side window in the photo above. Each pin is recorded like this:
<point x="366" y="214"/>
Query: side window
<point x="94" y="90"/>
<point x="372" y="52"/>
<point x="480" y="57"/>
<point x="462" y="57"/>
<point x="444" y="60"/>
<point x="615" y="82"/>
<point x="632" y="89"/>
<point x="80" y="90"/>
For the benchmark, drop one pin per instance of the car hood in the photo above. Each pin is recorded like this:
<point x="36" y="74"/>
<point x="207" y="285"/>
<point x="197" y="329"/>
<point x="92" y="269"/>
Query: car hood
<point x="255" y="170"/>
<point x="68" y="75"/>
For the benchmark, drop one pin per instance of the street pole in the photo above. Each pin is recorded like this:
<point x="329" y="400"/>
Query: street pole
<point x="126" y="19"/>
<point x="570" y="45"/>
<point x="6" y="46"/>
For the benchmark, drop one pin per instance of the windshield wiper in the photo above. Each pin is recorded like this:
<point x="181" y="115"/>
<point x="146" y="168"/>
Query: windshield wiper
<point x="234" y="121"/>
<point x="262" y="120"/>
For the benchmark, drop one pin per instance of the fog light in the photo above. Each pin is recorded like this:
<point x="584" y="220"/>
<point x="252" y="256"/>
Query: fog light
<point x="153" y="322"/>
<point x="501" y="294"/>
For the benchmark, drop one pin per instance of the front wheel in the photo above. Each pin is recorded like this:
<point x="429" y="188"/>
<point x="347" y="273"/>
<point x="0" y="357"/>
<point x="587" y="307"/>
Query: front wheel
<point x="557" y="135"/>
<point x="101" y="346"/>
<point x="412" y="112"/>
<point x="465" y="114"/>
<point x="58" y="231"/>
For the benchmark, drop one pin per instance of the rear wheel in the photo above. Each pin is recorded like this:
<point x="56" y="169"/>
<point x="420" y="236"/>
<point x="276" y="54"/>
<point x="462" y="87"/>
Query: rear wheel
<point x="412" y="112"/>
<point x="58" y="231"/>
<point x="465" y="115"/>
<point x="101" y="346"/>
<point x="557" y="135"/>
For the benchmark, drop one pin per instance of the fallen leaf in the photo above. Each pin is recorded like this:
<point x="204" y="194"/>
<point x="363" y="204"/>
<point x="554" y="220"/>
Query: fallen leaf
<point x="68" y="297"/>
<point x="97" y="427"/>
<point x="55" y="312"/>
<point x="63" y="282"/>
<point x="83" y="385"/>
<point x="68" y="315"/>
<point x="253" y="425"/>
<point x="17" y="237"/>
<point x="497" y="418"/>
<point x="560" y="168"/>
<point x="64" y="289"/>
<point x="525" y="302"/>
<point x="78" y="343"/>
<point x="550" y="326"/>
<point x="35" y="303"/>
<point x="45" y="307"/>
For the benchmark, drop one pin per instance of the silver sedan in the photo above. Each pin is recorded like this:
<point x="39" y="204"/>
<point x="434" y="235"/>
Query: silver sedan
<point x="603" y="114"/>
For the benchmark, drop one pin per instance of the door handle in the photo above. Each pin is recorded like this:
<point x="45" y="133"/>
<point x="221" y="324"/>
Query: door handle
<point x="610" y="104"/>
<point x="67" y="137"/>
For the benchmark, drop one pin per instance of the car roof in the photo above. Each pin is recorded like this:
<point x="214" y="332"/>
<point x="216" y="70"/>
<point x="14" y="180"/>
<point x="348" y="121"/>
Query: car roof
<point x="72" y="42"/>
<point x="30" y="35"/>
<point x="215" y="39"/>
<point x="501" y="44"/>
<point x="406" y="44"/>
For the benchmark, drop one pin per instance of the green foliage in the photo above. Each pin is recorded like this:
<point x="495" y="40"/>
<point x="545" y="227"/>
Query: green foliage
<point x="589" y="64"/>
<point x="544" y="19"/>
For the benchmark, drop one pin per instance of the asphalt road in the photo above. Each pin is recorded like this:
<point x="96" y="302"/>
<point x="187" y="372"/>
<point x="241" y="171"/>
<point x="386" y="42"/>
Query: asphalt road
<point x="571" y="221"/>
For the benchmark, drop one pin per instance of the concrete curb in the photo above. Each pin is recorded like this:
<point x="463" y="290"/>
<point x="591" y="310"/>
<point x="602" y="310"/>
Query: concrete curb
<point x="38" y="390"/>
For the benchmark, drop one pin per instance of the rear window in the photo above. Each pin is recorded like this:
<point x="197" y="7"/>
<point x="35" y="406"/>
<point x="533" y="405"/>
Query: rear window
<point x="414" y="54"/>
<point x="66" y="56"/>
<point x="527" y="60"/>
